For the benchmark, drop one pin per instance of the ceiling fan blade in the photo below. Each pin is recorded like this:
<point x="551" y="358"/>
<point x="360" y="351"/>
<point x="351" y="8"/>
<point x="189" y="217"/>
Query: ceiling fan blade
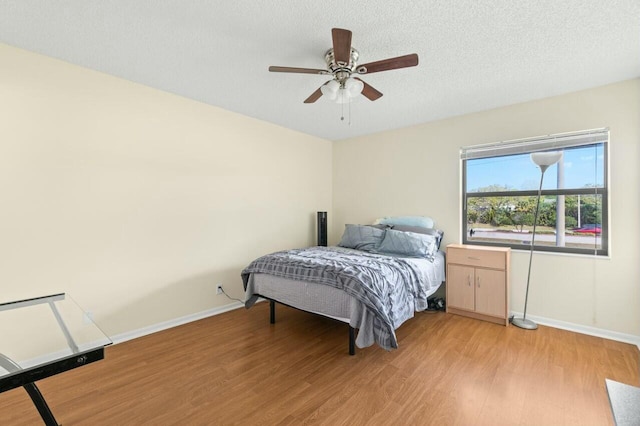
<point x="341" y="45"/>
<point x="298" y="70"/>
<point x="369" y="92"/>
<point x="314" y="96"/>
<point x="389" y="64"/>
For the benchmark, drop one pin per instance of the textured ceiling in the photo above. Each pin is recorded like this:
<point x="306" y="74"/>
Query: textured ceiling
<point x="474" y="54"/>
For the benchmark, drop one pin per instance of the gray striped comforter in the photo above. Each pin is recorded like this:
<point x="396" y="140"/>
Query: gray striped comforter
<point x="389" y="288"/>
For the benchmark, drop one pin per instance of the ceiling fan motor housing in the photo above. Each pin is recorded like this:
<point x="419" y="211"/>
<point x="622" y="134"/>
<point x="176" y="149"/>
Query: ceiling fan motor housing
<point x="340" y="70"/>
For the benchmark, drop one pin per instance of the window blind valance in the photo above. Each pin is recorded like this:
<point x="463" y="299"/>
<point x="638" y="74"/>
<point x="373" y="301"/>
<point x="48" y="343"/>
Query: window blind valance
<point x="540" y="143"/>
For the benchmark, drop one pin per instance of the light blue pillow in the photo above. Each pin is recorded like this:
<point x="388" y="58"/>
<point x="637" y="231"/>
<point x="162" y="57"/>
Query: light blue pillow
<point x="409" y="244"/>
<point x="421" y="221"/>
<point x="361" y="237"/>
<point x="420" y="230"/>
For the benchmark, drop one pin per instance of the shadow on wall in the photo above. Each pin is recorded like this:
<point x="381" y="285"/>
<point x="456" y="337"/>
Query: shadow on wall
<point x="148" y="303"/>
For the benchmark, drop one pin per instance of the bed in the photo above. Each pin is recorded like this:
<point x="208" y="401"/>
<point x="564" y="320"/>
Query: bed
<point x="374" y="280"/>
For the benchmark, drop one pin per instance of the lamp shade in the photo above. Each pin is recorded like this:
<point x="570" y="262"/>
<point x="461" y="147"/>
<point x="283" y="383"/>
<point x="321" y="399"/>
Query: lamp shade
<point x="342" y="97"/>
<point x="354" y="87"/>
<point x="547" y="159"/>
<point x="344" y="92"/>
<point x="330" y="89"/>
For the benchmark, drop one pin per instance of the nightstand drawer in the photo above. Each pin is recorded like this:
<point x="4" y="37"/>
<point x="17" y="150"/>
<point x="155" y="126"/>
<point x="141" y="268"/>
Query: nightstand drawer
<point x="483" y="258"/>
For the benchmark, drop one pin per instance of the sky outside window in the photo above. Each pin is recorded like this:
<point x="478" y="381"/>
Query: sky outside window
<point x="583" y="167"/>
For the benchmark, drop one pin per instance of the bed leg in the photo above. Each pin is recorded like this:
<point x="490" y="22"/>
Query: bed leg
<point x="352" y="341"/>
<point x="272" y="312"/>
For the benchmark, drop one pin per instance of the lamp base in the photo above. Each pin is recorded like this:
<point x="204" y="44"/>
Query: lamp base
<point x="524" y="323"/>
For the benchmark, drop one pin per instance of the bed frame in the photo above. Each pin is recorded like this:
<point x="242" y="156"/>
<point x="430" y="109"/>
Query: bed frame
<point x="272" y="320"/>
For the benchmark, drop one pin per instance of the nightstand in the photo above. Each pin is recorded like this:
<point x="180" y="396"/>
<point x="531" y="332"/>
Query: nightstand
<point x="478" y="282"/>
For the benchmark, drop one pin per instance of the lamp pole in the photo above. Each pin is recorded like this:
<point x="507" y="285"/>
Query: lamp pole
<point x="524" y="322"/>
<point x="543" y="160"/>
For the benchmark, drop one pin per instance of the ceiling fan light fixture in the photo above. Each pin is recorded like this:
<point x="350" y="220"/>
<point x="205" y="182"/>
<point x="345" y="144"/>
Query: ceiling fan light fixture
<point x="353" y="86"/>
<point x="330" y="88"/>
<point x="343" y="96"/>
<point x="342" y="93"/>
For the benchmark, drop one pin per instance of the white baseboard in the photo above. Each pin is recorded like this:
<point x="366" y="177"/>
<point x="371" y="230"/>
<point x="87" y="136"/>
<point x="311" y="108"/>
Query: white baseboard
<point x="123" y="337"/>
<point x="583" y="329"/>
<point x="577" y="328"/>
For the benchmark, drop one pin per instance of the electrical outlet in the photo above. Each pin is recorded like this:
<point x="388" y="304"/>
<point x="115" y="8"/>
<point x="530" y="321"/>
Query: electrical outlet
<point x="219" y="289"/>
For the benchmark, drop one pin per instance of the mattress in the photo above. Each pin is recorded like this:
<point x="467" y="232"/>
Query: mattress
<point x="335" y="303"/>
<point x="311" y="297"/>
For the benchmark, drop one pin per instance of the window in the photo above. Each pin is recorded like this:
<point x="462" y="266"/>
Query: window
<point x="500" y="189"/>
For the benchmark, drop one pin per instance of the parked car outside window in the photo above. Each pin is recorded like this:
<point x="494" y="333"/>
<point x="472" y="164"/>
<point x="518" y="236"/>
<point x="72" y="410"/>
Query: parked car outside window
<point x="588" y="229"/>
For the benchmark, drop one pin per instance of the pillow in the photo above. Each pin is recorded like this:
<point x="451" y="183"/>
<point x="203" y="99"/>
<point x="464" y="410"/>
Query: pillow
<point x="408" y="244"/>
<point x="421" y="221"/>
<point x="361" y="237"/>
<point x="381" y="226"/>
<point x="419" y="230"/>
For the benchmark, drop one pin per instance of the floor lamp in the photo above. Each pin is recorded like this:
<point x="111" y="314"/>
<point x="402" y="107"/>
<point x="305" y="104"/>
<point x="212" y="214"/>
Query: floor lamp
<point x="543" y="160"/>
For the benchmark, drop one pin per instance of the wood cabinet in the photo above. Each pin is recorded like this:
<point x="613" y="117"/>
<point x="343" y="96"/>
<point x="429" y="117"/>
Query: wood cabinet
<point x="478" y="282"/>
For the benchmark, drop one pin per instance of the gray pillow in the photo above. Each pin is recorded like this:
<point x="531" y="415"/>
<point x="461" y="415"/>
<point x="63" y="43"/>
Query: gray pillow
<point x="420" y="230"/>
<point x="361" y="237"/>
<point x="408" y="244"/>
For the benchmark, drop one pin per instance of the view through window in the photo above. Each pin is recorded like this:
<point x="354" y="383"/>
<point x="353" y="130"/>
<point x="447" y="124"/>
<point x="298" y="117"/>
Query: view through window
<point x="501" y="187"/>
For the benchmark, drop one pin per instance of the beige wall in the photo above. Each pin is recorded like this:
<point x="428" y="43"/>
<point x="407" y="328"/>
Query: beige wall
<point x="417" y="171"/>
<point x="137" y="202"/>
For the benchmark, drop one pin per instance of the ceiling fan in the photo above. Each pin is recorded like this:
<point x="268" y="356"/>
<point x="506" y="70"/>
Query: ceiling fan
<point x="342" y="63"/>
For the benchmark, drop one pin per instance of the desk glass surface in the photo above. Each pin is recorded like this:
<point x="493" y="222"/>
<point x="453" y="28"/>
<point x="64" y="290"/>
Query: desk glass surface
<point x="41" y="331"/>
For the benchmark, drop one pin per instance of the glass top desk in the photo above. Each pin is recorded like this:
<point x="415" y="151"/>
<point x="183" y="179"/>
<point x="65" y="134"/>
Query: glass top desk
<point x="42" y="337"/>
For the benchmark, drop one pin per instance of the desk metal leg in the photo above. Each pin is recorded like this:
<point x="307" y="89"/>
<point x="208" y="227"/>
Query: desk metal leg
<point x="41" y="404"/>
<point x="33" y="391"/>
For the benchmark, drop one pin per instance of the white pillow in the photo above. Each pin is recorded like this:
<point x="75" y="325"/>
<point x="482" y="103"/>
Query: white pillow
<point x="421" y="221"/>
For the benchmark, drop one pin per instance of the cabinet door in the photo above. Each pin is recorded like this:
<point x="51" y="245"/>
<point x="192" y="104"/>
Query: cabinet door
<point x="490" y="292"/>
<point x="460" y="283"/>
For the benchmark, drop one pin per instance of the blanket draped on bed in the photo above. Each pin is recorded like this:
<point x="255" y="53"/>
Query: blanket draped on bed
<point x="386" y="286"/>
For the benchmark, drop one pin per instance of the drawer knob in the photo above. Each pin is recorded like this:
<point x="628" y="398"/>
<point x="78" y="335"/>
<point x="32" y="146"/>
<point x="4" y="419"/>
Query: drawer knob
<point x="473" y="258"/>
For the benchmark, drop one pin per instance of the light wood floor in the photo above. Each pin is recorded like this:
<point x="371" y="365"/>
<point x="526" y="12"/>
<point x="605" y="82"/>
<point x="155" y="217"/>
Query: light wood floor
<point x="236" y="368"/>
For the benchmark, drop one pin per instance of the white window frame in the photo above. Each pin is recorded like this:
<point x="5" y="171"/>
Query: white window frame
<point x="529" y="145"/>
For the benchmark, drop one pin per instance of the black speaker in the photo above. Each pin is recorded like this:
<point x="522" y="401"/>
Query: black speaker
<point x="322" y="229"/>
